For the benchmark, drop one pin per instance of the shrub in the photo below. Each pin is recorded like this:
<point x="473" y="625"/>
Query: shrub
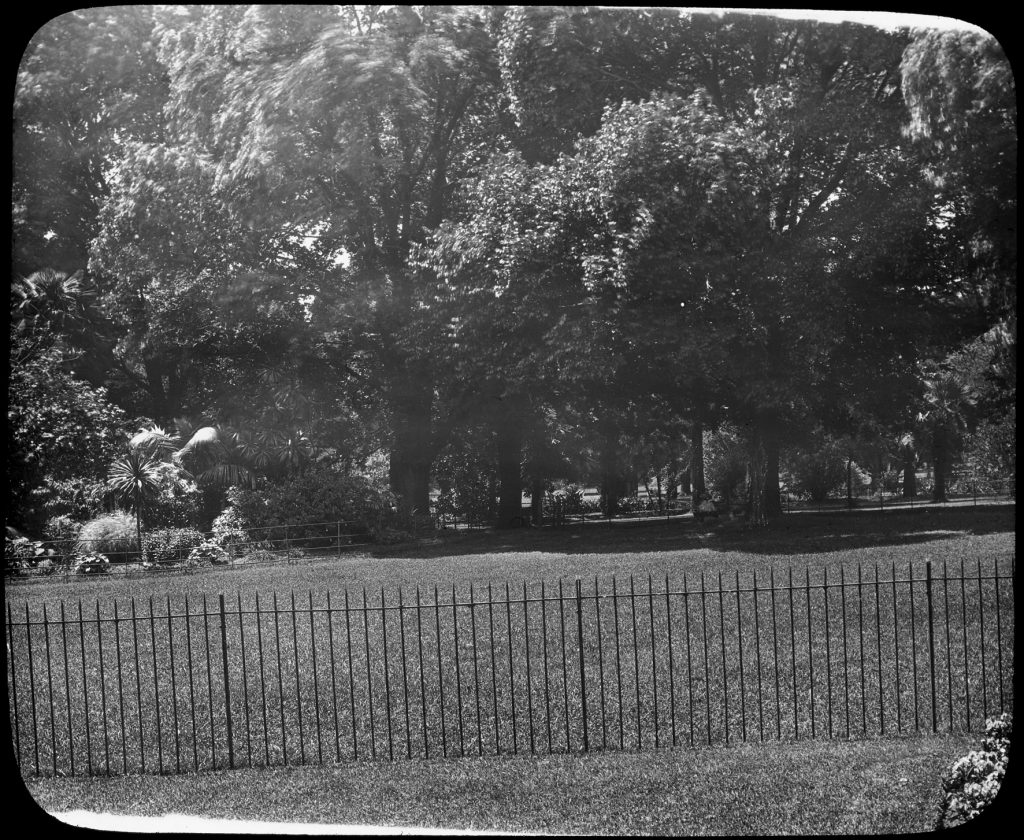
<point x="973" y="781"/>
<point x="176" y="501"/>
<point x="90" y="563"/>
<point x="170" y="545"/>
<point x="112" y="534"/>
<point x="62" y="531"/>
<point x="229" y="526"/>
<point x="22" y="555"/>
<point x="725" y="463"/>
<point x="319" y="496"/>
<point x="207" y="552"/>
<point x="264" y="555"/>
<point x="819" y="472"/>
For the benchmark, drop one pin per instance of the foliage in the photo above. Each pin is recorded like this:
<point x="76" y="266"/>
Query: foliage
<point x="176" y="498"/>
<point x="135" y="477"/>
<point x="320" y="496"/>
<point x="230" y="526"/>
<point x="170" y="545"/>
<point x="725" y="462"/>
<point x="22" y="555"/>
<point x="960" y="93"/>
<point x="78" y="498"/>
<point x="329" y="231"/>
<point x="90" y="563"/>
<point x="207" y="552"/>
<point x="466" y="473"/>
<point x="88" y="81"/>
<point x="59" y="430"/>
<point x="820" y="471"/>
<point x="62" y="531"/>
<point x="111" y="534"/>
<point x="973" y="782"/>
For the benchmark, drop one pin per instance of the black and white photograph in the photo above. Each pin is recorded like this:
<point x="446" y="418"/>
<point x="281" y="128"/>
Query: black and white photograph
<point x="542" y="420"/>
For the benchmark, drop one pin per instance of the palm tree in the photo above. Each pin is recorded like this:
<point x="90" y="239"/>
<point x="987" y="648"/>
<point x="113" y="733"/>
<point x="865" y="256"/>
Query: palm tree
<point x="135" y="477"/>
<point x="50" y="295"/>
<point x="947" y="398"/>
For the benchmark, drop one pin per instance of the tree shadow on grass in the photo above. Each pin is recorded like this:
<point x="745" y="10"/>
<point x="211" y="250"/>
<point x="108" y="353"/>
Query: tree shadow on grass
<point x="796" y="533"/>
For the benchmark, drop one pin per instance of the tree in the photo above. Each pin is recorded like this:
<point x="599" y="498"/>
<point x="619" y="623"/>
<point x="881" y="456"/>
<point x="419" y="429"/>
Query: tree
<point x="59" y="429"/>
<point x="347" y="128"/>
<point x="135" y="476"/>
<point x="943" y="421"/>
<point x="960" y="91"/>
<point x="89" y="81"/>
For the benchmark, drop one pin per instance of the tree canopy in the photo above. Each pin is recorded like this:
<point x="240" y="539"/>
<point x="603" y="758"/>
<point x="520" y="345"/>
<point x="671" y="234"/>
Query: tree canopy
<point x="527" y="237"/>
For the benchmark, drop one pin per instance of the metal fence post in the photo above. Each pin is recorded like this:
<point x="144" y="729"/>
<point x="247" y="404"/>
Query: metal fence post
<point x="931" y="638"/>
<point x="227" y="682"/>
<point x="583" y="681"/>
<point x="339" y="539"/>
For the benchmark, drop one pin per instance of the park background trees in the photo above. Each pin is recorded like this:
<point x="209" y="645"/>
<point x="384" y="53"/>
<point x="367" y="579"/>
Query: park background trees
<point x="504" y="246"/>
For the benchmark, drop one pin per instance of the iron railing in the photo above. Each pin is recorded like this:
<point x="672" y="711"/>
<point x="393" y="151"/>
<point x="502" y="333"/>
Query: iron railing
<point x="176" y="685"/>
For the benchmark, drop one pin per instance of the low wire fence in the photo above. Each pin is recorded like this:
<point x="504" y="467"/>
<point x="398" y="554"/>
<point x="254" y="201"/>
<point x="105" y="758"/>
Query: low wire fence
<point x="273" y="543"/>
<point x="179" y="685"/>
<point x="961" y="490"/>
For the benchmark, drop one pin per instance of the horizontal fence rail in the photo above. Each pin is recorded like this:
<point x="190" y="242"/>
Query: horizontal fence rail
<point x="268" y="544"/>
<point x="178" y="685"/>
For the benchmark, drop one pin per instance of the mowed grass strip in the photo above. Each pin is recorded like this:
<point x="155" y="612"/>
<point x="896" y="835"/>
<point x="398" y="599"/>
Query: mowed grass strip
<point x="865" y="787"/>
<point x="821" y="540"/>
<point x="308" y="686"/>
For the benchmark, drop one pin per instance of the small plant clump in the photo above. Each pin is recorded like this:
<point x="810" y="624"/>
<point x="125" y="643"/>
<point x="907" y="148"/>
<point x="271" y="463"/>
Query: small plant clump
<point x="973" y="781"/>
<point x="208" y="552"/>
<point x="90" y="563"/>
<point x="110" y="534"/>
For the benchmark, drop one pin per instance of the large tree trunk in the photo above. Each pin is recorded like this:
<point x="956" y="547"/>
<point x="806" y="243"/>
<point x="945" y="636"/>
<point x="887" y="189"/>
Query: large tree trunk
<point x="757" y="476"/>
<point x="510" y="472"/>
<point x="697" y="463"/>
<point x="411" y="402"/>
<point x="612" y="483"/>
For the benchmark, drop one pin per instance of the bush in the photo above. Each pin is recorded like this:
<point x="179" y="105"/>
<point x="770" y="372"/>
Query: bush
<point x="725" y="463"/>
<point x="207" y="552"/>
<point x="265" y="555"/>
<point x="465" y="470"/>
<point x="22" y="555"/>
<point x="229" y="526"/>
<point x="62" y="531"/>
<point x="310" y="505"/>
<point x="112" y="534"/>
<point x="817" y="473"/>
<point x="170" y="545"/>
<point x="177" y="500"/>
<point x="973" y="782"/>
<point x="90" y="563"/>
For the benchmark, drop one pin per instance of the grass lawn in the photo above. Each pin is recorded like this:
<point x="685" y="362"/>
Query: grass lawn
<point x="154" y="696"/>
<point x="803" y="539"/>
<point x="868" y="787"/>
